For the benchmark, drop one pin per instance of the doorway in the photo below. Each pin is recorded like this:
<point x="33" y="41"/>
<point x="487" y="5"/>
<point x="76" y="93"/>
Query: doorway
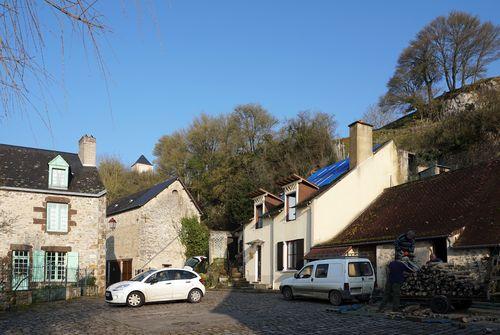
<point x="259" y="263"/>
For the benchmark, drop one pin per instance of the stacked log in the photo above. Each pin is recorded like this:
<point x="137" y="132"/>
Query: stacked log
<point x="446" y="279"/>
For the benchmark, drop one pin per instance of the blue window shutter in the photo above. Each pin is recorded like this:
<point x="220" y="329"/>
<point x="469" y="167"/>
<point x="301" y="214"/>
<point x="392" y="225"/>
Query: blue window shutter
<point x="72" y="264"/>
<point x="38" y="266"/>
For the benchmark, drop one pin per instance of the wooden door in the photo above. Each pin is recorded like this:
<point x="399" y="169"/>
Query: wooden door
<point x="126" y="269"/>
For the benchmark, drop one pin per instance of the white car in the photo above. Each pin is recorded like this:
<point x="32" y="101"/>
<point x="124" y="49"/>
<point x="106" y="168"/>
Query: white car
<point x="334" y="279"/>
<point x="157" y="285"/>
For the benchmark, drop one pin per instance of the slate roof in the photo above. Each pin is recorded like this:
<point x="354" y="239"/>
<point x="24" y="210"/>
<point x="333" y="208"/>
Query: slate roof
<point x="27" y="168"/>
<point x="141" y="198"/>
<point x="142" y="160"/>
<point x="467" y="199"/>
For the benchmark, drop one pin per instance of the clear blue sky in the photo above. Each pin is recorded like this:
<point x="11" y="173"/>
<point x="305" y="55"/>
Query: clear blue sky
<point x="209" y="56"/>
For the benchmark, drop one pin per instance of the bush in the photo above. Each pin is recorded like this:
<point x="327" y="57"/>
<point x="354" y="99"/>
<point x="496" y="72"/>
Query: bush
<point x="194" y="236"/>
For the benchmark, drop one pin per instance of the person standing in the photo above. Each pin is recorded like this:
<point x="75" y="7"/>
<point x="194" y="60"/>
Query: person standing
<point x="396" y="278"/>
<point x="405" y="245"/>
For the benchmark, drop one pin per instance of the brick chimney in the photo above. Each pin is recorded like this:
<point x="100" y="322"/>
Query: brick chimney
<point x="86" y="152"/>
<point x="360" y="143"/>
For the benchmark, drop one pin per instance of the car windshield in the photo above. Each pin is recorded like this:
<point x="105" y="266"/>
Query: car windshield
<point x="143" y="275"/>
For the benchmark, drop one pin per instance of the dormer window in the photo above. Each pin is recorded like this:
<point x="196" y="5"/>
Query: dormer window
<point x="58" y="173"/>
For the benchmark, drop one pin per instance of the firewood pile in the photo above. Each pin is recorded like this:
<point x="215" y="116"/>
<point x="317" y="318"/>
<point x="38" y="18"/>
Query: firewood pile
<point x="447" y="279"/>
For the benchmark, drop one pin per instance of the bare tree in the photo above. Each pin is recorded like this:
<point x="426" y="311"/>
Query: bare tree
<point x="378" y="117"/>
<point x="22" y="43"/>
<point x="463" y="46"/>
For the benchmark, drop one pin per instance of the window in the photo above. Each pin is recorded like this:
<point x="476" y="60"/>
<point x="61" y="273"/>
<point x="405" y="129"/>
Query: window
<point x="306" y="272"/>
<point x="57" y="217"/>
<point x="20" y="269"/>
<point x="290" y="209"/>
<point x="59" y="178"/>
<point x="279" y="252"/>
<point x="142" y="275"/>
<point x="58" y="173"/>
<point x="295" y="254"/>
<point x="159" y="276"/>
<point x="259" y="209"/>
<point x="359" y="269"/>
<point x="321" y="271"/>
<point x="180" y="274"/>
<point x="55" y="265"/>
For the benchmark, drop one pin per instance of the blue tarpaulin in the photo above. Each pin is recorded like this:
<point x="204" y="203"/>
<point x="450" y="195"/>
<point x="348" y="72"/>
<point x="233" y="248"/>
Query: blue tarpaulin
<point x="330" y="173"/>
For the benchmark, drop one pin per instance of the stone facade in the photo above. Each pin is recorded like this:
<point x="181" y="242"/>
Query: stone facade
<point x="22" y="223"/>
<point x="149" y="235"/>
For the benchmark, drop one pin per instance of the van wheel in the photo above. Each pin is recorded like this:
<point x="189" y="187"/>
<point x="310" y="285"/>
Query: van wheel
<point x="335" y="298"/>
<point x="135" y="299"/>
<point x="287" y="293"/>
<point x="195" y="296"/>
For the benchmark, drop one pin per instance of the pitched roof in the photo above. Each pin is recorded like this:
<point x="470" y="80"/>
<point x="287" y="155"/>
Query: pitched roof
<point x="141" y="198"/>
<point x="327" y="176"/>
<point x="142" y="160"/>
<point x="467" y="199"/>
<point x="28" y="168"/>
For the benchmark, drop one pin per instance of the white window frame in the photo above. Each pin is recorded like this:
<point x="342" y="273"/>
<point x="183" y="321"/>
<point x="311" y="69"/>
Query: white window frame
<point x="57" y="217"/>
<point x="58" y="273"/>
<point x="59" y="178"/>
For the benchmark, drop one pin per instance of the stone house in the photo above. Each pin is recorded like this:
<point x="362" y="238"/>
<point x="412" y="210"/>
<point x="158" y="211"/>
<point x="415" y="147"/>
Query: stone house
<point x="144" y="229"/>
<point x="311" y="210"/>
<point x="52" y="216"/>
<point x="454" y="214"/>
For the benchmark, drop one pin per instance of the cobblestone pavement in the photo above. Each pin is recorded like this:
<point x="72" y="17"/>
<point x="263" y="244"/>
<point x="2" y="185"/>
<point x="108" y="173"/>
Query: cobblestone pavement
<point x="220" y="312"/>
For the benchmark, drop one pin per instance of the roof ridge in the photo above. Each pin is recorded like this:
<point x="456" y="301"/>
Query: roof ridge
<point x="40" y="149"/>
<point x="436" y="176"/>
<point x="141" y="191"/>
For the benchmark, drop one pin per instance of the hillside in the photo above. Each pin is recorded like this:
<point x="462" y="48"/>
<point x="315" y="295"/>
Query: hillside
<point x="464" y="127"/>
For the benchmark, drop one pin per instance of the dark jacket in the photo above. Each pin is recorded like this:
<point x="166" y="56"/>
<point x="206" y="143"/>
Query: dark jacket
<point x="397" y="270"/>
<point x="402" y="244"/>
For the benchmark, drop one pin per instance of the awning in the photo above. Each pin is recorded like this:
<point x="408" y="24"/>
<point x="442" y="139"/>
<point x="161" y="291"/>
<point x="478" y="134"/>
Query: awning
<point x="255" y="242"/>
<point x="324" y="253"/>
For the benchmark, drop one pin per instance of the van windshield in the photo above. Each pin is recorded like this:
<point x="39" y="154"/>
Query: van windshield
<point x="360" y="269"/>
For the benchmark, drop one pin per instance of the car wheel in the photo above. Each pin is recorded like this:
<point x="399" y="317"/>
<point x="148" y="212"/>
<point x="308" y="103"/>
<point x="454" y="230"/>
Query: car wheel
<point x="287" y="293"/>
<point x="335" y="298"/>
<point x="135" y="299"/>
<point x="195" y="296"/>
<point x="440" y="304"/>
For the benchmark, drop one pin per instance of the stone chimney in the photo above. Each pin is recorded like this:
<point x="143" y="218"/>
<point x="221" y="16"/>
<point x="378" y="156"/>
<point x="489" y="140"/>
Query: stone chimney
<point x="86" y="152"/>
<point x="360" y="143"/>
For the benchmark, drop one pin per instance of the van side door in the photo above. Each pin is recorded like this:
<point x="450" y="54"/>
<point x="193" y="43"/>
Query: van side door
<point x="302" y="281"/>
<point x="321" y="281"/>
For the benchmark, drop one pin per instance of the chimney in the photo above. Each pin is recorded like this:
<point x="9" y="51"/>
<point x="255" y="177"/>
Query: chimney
<point x="86" y="152"/>
<point x="360" y="143"/>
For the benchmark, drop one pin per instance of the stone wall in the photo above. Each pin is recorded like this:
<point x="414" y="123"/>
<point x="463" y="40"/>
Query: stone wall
<point x="22" y="222"/>
<point x="386" y="254"/>
<point x="149" y="235"/>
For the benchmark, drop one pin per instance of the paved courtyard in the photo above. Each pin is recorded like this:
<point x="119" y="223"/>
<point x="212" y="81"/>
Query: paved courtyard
<point x="221" y="312"/>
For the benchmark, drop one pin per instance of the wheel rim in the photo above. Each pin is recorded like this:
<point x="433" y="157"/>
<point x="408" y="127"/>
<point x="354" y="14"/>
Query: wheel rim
<point x="134" y="299"/>
<point x="195" y="295"/>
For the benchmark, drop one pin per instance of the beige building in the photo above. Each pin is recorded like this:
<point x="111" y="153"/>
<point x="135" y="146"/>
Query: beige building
<point x="52" y="217"/>
<point x="454" y="214"/>
<point x="311" y="210"/>
<point x="144" y="229"/>
<point x="142" y="165"/>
